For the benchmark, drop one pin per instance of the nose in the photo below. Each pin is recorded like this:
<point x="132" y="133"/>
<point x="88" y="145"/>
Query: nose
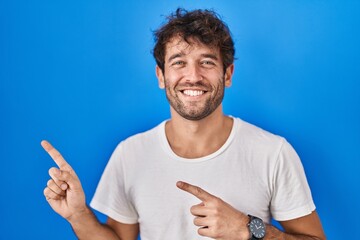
<point x="193" y="73"/>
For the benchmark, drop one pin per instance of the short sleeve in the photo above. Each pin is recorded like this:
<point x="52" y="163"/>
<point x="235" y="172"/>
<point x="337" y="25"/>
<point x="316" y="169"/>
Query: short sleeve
<point x="291" y="197"/>
<point x="111" y="196"/>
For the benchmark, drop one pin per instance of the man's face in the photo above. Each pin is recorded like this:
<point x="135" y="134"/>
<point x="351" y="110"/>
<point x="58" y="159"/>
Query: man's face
<point x="193" y="78"/>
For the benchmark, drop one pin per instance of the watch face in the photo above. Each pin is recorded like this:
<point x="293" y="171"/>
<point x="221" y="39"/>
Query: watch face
<point x="257" y="228"/>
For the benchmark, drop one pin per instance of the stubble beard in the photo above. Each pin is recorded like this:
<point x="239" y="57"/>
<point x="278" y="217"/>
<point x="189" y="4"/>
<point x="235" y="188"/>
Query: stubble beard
<point x="196" y="111"/>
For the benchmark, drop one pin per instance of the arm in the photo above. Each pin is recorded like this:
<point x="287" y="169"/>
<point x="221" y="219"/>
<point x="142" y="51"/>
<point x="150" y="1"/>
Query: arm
<point x="65" y="195"/>
<point x="307" y="227"/>
<point x="86" y="226"/>
<point x="217" y="219"/>
<point x="125" y="231"/>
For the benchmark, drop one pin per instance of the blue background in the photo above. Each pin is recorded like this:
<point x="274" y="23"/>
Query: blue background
<point x="80" y="74"/>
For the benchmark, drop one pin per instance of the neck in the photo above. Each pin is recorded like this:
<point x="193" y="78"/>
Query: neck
<point x="194" y="139"/>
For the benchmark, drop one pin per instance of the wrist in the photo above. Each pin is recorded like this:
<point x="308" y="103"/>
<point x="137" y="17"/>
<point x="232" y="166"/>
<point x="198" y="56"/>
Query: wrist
<point x="246" y="234"/>
<point x="242" y="232"/>
<point x="79" y="215"/>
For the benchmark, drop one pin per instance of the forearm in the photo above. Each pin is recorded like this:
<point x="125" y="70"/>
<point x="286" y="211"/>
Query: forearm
<point x="272" y="233"/>
<point x="87" y="227"/>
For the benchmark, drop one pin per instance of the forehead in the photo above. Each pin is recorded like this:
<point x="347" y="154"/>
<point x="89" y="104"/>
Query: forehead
<point x="178" y="45"/>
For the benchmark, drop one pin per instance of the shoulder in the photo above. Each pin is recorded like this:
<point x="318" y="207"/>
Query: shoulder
<point x="142" y="140"/>
<point x="256" y="136"/>
<point x="130" y="152"/>
<point x="146" y="136"/>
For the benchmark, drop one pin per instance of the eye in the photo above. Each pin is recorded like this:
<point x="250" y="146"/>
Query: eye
<point x="207" y="62"/>
<point x="178" y="63"/>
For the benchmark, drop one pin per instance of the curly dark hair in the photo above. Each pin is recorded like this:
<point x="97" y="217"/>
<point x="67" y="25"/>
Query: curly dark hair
<point x="203" y="25"/>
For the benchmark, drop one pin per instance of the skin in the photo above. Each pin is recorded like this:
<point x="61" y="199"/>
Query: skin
<point x="194" y="80"/>
<point x="209" y="91"/>
<point x="65" y="195"/>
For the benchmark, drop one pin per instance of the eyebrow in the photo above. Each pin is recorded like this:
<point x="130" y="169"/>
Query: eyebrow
<point x="209" y="55"/>
<point x="205" y="55"/>
<point x="176" y="55"/>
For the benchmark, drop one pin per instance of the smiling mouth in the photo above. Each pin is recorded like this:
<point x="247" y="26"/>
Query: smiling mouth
<point x="193" y="93"/>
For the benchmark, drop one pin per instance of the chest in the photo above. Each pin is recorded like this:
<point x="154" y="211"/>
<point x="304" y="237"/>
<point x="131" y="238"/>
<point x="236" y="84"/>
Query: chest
<point x="160" y="203"/>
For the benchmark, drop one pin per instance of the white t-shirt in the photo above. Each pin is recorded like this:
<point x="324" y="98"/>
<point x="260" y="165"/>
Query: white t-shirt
<point x="256" y="172"/>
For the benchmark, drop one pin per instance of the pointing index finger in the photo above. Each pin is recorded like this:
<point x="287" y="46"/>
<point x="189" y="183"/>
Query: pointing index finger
<point x="194" y="190"/>
<point x="55" y="155"/>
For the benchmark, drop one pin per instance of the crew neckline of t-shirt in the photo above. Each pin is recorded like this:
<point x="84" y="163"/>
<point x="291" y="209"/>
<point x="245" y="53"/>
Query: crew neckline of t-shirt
<point x="165" y="144"/>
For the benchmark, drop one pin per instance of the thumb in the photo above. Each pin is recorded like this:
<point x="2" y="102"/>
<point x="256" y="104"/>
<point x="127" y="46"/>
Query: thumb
<point x="68" y="177"/>
<point x="54" y="174"/>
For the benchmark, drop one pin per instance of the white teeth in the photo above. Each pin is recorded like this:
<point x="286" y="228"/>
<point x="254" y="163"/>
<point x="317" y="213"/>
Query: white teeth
<point x="193" y="93"/>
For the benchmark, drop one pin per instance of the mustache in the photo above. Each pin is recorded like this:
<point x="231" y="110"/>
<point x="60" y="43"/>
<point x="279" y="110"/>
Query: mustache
<point x="199" y="84"/>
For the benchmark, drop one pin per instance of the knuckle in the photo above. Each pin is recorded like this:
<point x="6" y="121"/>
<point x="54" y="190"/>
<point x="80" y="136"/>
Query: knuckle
<point x="217" y="201"/>
<point x="216" y="212"/>
<point x="49" y="183"/>
<point x="46" y="190"/>
<point x="197" y="221"/>
<point x="57" y="154"/>
<point x="217" y="223"/>
<point x="198" y="190"/>
<point x="65" y="175"/>
<point x="49" y="194"/>
<point x="205" y="231"/>
<point x="214" y="232"/>
<point x="53" y="172"/>
<point x="71" y="171"/>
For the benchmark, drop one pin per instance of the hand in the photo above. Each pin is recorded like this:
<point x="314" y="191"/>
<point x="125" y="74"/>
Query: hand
<point x="216" y="218"/>
<point x="63" y="192"/>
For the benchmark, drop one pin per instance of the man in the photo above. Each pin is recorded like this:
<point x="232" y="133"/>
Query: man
<point x="201" y="173"/>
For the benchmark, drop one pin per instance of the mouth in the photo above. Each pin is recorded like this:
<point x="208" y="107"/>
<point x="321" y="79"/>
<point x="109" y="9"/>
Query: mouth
<point x="193" y="93"/>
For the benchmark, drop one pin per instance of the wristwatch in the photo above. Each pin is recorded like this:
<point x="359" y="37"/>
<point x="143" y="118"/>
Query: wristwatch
<point x="257" y="228"/>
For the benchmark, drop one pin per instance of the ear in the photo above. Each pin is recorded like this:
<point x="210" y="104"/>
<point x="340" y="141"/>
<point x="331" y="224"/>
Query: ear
<point x="160" y="77"/>
<point x="228" y="75"/>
